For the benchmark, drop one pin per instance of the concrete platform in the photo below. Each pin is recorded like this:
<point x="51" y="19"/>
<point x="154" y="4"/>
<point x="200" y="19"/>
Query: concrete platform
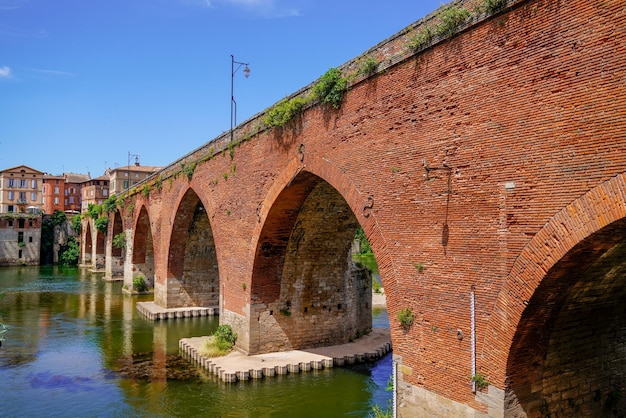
<point x="154" y="312"/>
<point x="237" y="366"/>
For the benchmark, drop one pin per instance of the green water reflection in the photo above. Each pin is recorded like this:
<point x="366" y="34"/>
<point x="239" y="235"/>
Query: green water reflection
<point x="77" y="347"/>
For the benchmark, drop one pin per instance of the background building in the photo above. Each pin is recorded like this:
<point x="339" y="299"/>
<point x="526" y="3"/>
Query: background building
<point x="94" y="191"/>
<point x="122" y="178"/>
<point x="63" y="192"/>
<point x="20" y="190"/>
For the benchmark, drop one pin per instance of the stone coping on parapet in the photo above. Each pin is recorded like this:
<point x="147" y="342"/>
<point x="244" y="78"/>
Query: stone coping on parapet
<point x="238" y="366"/>
<point x="155" y="312"/>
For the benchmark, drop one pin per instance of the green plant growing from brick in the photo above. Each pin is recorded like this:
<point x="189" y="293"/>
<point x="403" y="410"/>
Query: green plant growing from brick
<point x="119" y="240"/>
<point x="492" y="6"/>
<point x="406" y="318"/>
<point x="233" y="169"/>
<point x="158" y="183"/>
<point x="145" y="190"/>
<point x="451" y="19"/>
<point x="139" y="284"/>
<point x="285" y="312"/>
<point x="368" y="65"/>
<point x="480" y="381"/>
<point x="188" y="169"/>
<point x="220" y="343"/>
<point x="330" y="88"/>
<point x="110" y="204"/>
<point x="420" y="267"/>
<point x="102" y="224"/>
<point x="94" y="210"/>
<point x="284" y="111"/>
<point x="244" y="286"/>
<point x="420" y="39"/>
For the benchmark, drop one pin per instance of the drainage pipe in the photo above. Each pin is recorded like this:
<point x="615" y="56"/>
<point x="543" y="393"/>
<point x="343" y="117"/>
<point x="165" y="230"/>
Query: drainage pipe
<point x="473" y="336"/>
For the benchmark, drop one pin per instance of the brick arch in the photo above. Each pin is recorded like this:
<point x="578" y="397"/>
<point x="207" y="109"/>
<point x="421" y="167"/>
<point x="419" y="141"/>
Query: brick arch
<point x="116" y="228"/>
<point x="305" y="288"/>
<point x="589" y="214"/>
<point x="142" y="236"/>
<point x="192" y="270"/>
<point x="356" y="199"/>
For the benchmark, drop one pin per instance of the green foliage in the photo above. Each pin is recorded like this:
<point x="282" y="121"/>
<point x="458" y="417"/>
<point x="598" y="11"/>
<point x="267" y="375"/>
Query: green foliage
<point x="364" y="244"/>
<point x="94" y="210"/>
<point x="188" y="170"/>
<point x="451" y="19"/>
<point x="368" y="65"/>
<point x="70" y="253"/>
<point x="110" y="204"/>
<point x="492" y="6"/>
<point x="158" y="183"/>
<point x="119" y="240"/>
<point x="145" y="190"/>
<point x="225" y="335"/>
<point x="139" y="284"/>
<point x="406" y="317"/>
<point x="76" y="224"/>
<point x="420" y="39"/>
<point x="58" y="218"/>
<point x="102" y="224"/>
<point x="376" y="286"/>
<point x="420" y="267"/>
<point x="481" y="382"/>
<point x="283" y="112"/>
<point x="330" y="88"/>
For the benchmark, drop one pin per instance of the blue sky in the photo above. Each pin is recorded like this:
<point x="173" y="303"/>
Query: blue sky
<point x="83" y="83"/>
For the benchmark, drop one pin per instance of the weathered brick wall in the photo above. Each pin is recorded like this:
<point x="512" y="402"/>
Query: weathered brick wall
<point x="454" y="159"/>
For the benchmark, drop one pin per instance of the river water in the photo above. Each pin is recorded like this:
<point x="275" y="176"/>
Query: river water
<point x="77" y="347"/>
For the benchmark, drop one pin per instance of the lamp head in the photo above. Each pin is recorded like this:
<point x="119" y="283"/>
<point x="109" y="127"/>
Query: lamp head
<point x="246" y="72"/>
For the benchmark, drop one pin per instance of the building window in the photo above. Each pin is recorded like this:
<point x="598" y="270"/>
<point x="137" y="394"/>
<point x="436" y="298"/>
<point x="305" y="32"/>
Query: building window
<point x="33" y="184"/>
<point x="23" y="197"/>
<point x="11" y="195"/>
<point x="71" y="199"/>
<point x="10" y="182"/>
<point x="33" y="196"/>
<point x="20" y="237"/>
<point x="20" y="224"/>
<point x="126" y="184"/>
<point x="56" y="190"/>
<point x="10" y="208"/>
<point x="105" y="192"/>
<point x="30" y="239"/>
<point x="10" y="222"/>
<point x="56" y="200"/>
<point x="23" y="183"/>
<point x="19" y="254"/>
<point x="125" y="174"/>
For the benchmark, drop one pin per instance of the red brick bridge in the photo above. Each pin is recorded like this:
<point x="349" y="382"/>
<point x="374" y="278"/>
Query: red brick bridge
<point x="487" y="166"/>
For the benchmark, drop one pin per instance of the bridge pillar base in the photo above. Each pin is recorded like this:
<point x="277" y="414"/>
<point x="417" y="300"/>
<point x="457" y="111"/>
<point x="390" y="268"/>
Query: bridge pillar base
<point x="418" y="402"/>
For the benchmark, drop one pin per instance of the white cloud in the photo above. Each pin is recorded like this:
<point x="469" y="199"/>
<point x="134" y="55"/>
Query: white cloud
<point x="51" y="72"/>
<point x="12" y="4"/>
<point x="261" y="8"/>
<point x="5" y="72"/>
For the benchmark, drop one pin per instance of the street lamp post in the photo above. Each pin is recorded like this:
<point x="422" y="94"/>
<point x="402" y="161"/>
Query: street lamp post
<point x="233" y="103"/>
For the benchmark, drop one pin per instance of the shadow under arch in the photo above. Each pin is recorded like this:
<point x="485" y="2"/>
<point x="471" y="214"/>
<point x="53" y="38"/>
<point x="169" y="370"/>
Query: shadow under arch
<point x="553" y="339"/>
<point x="305" y="290"/>
<point x="192" y="268"/>
<point x="143" y="248"/>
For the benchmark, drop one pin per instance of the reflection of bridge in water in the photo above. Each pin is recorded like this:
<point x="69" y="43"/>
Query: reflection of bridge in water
<point x="495" y="209"/>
